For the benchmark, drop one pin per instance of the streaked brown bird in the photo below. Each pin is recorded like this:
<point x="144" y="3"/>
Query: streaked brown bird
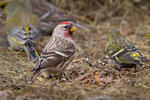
<point x="59" y="51"/>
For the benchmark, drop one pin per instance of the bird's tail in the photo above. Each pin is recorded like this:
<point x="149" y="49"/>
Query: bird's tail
<point x="37" y="65"/>
<point x="31" y="51"/>
<point x="144" y="59"/>
<point x="144" y="34"/>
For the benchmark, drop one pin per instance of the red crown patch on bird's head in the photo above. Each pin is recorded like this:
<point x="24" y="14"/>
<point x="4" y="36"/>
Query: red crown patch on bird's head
<point x="65" y="23"/>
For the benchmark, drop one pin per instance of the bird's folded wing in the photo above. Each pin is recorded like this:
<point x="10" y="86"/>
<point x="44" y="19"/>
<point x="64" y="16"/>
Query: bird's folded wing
<point x="53" y="59"/>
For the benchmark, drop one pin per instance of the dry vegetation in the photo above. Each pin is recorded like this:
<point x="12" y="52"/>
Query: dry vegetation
<point x="91" y="76"/>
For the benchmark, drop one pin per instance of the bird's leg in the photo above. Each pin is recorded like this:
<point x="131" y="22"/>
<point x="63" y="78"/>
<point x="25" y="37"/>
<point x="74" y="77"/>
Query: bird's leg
<point x="30" y="80"/>
<point x="50" y="76"/>
<point x="58" y="76"/>
<point x="118" y="66"/>
<point x="135" y="68"/>
<point x="65" y="76"/>
<point x="35" y="74"/>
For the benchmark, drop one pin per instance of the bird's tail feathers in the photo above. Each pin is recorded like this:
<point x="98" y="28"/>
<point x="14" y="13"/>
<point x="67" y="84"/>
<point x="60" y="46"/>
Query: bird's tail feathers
<point x="144" y="59"/>
<point x="37" y="66"/>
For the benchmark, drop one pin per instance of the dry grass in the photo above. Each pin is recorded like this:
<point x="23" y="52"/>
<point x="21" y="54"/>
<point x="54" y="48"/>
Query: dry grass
<point x="91" y="76"/>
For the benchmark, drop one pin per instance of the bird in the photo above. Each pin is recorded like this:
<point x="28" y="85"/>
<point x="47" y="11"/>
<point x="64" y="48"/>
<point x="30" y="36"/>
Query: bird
<point x="59" y="51"/>
<point x="122" y="51"/>
<point x="50" y="16"/>
<point x="21" y="25"/>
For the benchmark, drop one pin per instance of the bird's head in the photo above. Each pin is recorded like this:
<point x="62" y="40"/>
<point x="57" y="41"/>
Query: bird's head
<point x="113" y="35"/>
<point x="64" y="29"/>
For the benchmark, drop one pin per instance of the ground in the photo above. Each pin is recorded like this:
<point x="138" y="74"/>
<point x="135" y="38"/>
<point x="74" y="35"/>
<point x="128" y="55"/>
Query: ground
<point x="91" y="75"/>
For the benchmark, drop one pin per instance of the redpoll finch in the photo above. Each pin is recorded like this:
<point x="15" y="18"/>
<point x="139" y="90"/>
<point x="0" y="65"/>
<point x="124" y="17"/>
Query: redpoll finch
<point x="59" y="51"/>
<point x="122" y="51"/>
<point x="21" y="27"/>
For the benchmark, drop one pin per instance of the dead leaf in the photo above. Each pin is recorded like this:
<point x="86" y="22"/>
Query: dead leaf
<point x="96" y="77"/>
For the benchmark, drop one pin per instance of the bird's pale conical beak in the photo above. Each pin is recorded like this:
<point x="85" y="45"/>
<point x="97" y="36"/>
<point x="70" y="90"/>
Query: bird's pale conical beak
<point x="73" y="29"/>
<point x="30" y="50"/>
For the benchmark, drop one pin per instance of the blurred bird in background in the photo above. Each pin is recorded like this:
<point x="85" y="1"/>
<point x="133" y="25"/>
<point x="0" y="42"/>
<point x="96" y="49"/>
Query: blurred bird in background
<point x="59" y="51"/>
<point x="21" y="27"/>
<point x="50" y="16"/>
<point x="143" y="34"/>
<point x="122" y="51"/>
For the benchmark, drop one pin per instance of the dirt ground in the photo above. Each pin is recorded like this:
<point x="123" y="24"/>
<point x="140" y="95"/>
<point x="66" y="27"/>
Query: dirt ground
<point x="91" y="75"/>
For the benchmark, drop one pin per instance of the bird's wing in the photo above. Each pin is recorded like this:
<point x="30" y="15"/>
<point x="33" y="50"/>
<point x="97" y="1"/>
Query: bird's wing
<point x="126" y="43"/>
<point x="120" y="45"/>
<point x="56" y="58"/>
<point x="128" y="55"/>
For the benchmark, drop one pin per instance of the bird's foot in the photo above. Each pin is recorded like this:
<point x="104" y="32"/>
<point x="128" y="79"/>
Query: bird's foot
<point x="30" y="80"/>
<point x="118" y="68"/>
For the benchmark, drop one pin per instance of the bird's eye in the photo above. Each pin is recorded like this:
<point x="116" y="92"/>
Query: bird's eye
<point x="65" y="27"/>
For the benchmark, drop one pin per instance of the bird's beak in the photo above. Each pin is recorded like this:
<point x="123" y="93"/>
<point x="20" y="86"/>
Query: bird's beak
<point x="73" y="29"/>
<point x="30" y="50"/>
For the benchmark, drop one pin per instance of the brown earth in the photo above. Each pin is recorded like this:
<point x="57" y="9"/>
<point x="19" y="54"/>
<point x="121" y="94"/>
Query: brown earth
<point x="91" y="75"/>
